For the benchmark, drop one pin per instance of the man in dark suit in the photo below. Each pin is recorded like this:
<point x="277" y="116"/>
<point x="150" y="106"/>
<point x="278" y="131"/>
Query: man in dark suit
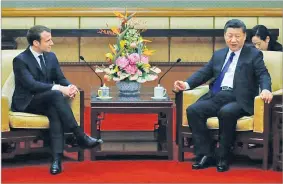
<point x="237" y="72"/>
<point x="41" y="88"/>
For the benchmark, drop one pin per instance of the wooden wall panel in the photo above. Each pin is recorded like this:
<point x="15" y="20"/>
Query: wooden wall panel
<point x="66" y="48"/>
<point x="191" y="49"/>
<point x="17" y="22"/>
<point x="94" y="49"/>
<point x="161" y="47"/>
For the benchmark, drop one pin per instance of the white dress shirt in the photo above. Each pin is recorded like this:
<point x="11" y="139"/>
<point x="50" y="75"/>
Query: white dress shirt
<point x="229" y="75"/>
<point x="36" y="56"/>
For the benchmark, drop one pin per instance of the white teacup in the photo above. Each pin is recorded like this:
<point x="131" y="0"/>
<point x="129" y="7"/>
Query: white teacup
<point x="159" y="91"/>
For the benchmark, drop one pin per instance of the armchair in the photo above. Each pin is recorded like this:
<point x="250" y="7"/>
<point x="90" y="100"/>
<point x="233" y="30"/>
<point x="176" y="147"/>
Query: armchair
<point x="253" y="132"/>
<point x="20" y="131"/>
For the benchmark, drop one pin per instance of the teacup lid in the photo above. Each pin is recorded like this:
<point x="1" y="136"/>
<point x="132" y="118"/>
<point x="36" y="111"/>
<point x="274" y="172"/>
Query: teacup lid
<point x="104" y="87"/>
<point x="158" y="86"/>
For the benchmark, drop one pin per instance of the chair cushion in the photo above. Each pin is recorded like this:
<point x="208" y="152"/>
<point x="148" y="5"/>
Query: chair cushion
<point x="28" y="120"/>
<point x="243" y="124"/>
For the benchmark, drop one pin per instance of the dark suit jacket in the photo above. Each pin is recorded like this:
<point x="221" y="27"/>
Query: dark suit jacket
<point x="250" y="74"/>
<point x="29" y="79"/>
<point x="275" y="47"/>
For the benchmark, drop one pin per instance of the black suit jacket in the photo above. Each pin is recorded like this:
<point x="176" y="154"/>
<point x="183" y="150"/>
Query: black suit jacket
<point x="30" y="80"/>
<point x="250" y="74"/>
<point x="275" y="47"/>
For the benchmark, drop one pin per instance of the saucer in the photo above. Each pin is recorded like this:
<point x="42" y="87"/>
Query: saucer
<point x="159" y="98"/>
<point x="104" y="98"/>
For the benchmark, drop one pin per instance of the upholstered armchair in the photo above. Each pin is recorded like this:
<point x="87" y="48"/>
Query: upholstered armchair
<point x="20" y="131"/>
<point x="253" y="132"/>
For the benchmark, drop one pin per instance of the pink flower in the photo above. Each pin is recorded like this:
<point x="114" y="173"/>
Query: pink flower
<point x="133" y="58"/>
<point x="144" y="59"/>
<point x="131" y="69"/>
<point x="122" y="62"/>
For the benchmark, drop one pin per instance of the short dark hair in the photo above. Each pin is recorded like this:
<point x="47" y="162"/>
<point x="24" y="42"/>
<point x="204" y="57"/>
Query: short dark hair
<point x="261" y="31"/>
<point x="235" y="23"/>
<point x="34" y="33"/>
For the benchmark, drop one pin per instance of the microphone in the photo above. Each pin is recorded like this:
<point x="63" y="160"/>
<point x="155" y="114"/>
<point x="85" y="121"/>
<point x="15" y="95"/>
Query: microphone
<point x="178" y="61"/>
<point x="82" y="58"/>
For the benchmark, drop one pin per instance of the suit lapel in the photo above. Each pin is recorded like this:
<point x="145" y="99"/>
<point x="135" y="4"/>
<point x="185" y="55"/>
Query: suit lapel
<point x="33" y="60"/>
<point x="221" y="61"/>
<point x="239" y="63"/>
<point x="241" y="59"/>
<point x="47" y="64"/>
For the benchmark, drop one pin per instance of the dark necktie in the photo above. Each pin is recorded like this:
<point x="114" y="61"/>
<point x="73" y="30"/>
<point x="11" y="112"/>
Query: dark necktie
<point x="217" y="84"/>
<point x="42" y="64"/>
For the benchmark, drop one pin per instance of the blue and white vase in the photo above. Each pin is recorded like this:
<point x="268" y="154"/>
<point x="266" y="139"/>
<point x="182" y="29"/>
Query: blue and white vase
<point x="128" y="88"/>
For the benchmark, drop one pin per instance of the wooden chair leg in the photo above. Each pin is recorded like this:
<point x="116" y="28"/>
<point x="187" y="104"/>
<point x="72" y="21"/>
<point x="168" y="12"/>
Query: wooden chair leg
<point x="81" y="156"/>
<point x="181" y="154"/>
<point x="265" y="155"/>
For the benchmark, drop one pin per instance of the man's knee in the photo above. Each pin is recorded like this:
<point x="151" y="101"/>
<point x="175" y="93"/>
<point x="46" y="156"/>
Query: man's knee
<point x="226" y="112"/>
<point x="56" y="94"/>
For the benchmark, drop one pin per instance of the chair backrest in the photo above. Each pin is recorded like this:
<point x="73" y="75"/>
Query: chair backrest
<point x="7" y="63"/>
<point x="8" y="79"/>
<point x="274" y="62"/>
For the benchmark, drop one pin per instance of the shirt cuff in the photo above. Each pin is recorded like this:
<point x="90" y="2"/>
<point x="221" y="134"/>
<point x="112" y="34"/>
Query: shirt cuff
<point x="187" y="86"/>
<point x="55" y="87"/>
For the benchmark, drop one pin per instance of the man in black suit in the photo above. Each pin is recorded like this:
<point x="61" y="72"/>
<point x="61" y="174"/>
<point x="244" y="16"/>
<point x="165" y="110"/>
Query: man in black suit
<point x="41" y="88"/>
<point x="237" y="72"/>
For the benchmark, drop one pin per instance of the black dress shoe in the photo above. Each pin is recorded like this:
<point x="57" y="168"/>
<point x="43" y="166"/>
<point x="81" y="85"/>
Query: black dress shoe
<point x="203" y="162"/>
<point x="56" y="167"/>
<point x="86" y="141"/>
<point x="222" y="165"/>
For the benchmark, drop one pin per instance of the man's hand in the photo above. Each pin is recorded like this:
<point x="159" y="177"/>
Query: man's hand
<point x="266" y="96"/>
<point x="74" y="90"/>
<point x="179" y="86"/>
<point x="65" y="90"/>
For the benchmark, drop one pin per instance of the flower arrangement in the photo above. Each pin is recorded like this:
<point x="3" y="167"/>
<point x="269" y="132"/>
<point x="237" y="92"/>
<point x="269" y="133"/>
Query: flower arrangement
<point x="129" y="57"/>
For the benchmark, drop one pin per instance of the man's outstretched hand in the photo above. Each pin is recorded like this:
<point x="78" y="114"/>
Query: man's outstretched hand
<point x="179" y="86"/>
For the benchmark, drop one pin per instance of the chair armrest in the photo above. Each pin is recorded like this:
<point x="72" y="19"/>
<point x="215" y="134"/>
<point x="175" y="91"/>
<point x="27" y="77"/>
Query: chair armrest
<point x="260" y="107"/>
<point x="187" y="98"/>
<point x="4" y="114"/>
<point x="77" y="106"/>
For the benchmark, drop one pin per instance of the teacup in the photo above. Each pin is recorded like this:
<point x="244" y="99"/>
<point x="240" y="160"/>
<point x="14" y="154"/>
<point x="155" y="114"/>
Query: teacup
<point x="103" y="92"/>
<point x="159" y="92"/>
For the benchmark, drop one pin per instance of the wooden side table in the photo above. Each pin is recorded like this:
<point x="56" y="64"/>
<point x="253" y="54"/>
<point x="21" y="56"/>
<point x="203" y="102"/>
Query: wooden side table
<point x="277" y="112"/>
